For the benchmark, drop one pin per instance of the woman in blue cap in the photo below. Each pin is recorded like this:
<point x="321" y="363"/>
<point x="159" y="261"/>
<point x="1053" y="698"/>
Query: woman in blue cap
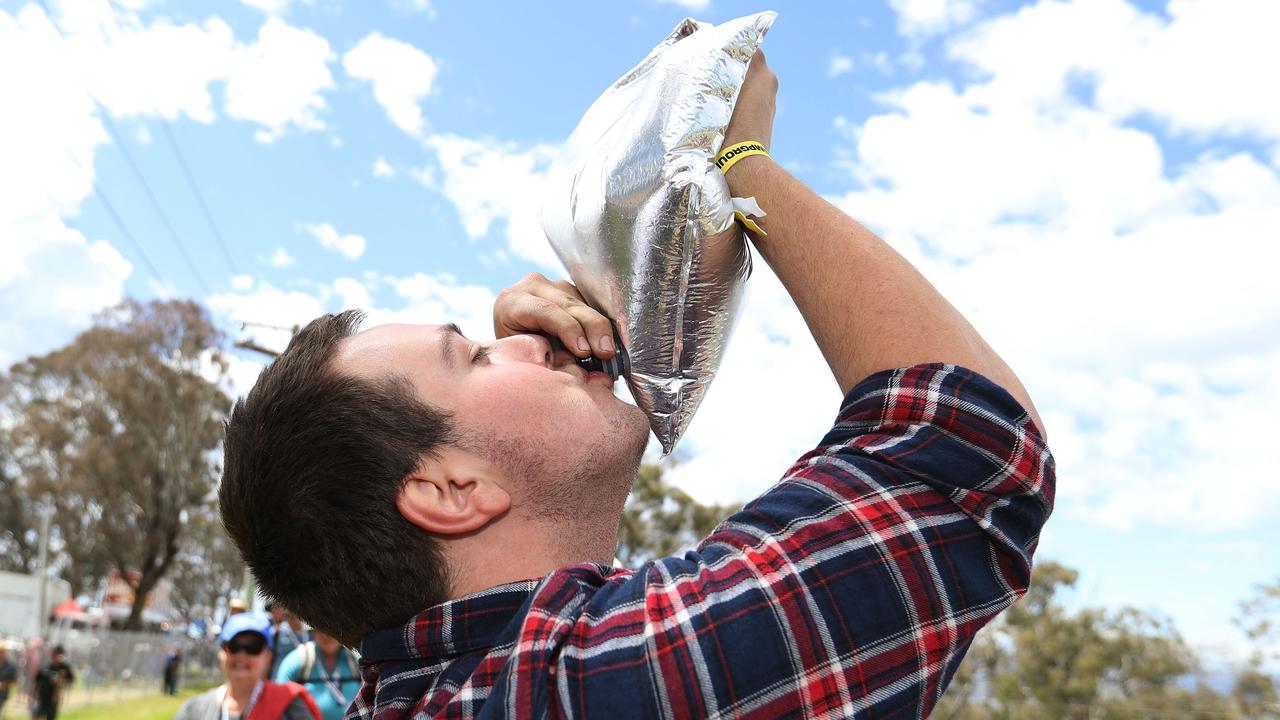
<point x="245" y="656"/>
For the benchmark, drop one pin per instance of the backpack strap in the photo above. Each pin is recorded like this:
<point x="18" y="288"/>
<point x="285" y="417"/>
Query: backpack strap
<point x="308" y="661"/>
<point x="351" y="663"/>
<point x="277" y="696"/>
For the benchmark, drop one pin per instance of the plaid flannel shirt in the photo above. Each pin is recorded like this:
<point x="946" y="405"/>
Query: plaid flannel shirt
<point x="852" y="588"/>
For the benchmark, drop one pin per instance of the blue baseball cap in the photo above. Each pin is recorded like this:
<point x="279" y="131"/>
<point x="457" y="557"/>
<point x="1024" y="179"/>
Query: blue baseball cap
<point x="246" y="622"/>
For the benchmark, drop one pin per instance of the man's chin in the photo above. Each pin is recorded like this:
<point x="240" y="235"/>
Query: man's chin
<point x="627" y="427"/>
<point x="634" y="424"/>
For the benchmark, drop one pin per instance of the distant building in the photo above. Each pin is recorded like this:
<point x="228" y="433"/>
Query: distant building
<point x="20" y="614"/>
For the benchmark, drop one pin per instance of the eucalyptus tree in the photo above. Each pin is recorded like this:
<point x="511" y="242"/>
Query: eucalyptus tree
<point x="119" y="432"/>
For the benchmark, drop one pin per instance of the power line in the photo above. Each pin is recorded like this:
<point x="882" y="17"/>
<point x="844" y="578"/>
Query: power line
<point x="195" y="190"/>
<point x="155" y="204"/>
<point x="249" y="344"/>
<point x="137" y="172"/>
<point x="186" y="170"/>
<point x="102" y="198"/>
<point x="293" y="329"/>
<point x="115" y="217"/>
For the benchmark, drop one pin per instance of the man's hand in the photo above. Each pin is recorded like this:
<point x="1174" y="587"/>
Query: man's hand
<point x="753" y="113"/>
<point x="555" y="309"/>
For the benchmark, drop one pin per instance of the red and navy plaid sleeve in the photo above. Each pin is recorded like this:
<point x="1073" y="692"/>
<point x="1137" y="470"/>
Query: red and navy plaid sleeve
<point x="852" y="588"/>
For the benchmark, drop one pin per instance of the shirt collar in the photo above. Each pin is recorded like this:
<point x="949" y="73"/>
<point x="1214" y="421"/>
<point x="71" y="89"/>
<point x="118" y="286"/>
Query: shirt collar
<point x="452" y="628"/>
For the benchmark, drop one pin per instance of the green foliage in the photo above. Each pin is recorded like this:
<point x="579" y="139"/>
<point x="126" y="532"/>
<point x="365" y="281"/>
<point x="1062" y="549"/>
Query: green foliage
<point x="1260" y="619"/>
<point x="661" y="519"/>
<point x="208" y="568"/>
<point x="1255" y="694"/>
<point x="1044" y="661"/>
<point x="1255" y="691"/>
<point x="117" y="432"/>
<point x="19" y="534"/>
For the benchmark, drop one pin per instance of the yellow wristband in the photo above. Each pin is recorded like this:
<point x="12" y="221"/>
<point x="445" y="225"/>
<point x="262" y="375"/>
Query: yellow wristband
<point x="732" y="154"/>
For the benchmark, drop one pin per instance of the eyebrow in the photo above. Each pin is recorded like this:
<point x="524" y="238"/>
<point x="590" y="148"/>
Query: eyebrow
<point x="447" y="333"/>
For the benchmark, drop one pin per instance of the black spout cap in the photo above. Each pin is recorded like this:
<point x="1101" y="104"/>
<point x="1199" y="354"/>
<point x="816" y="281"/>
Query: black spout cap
<point x="617" y="366"/>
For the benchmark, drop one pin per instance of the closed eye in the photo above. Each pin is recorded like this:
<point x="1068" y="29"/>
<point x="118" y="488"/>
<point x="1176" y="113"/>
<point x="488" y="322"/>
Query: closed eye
<point x="481" y="354"/>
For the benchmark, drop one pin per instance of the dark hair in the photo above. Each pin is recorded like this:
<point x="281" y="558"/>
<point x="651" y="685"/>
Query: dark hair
<point x="58" y="650"/>
<point x="314" y="461"/>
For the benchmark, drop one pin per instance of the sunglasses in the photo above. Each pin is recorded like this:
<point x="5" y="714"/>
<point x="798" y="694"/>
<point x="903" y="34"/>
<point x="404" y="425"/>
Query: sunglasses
<point x="253" y="645"/>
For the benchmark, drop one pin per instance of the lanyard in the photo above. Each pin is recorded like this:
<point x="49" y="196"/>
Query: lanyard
<point x="332" y="682"/>
<point x="244" y="714"/>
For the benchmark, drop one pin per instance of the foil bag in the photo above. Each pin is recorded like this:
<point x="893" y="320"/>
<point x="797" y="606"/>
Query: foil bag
<point x="643" y="221"/>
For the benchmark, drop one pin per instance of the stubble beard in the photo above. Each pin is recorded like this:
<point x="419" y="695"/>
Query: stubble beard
<point x="576" y="489"/>
<point x="586" y="505"/>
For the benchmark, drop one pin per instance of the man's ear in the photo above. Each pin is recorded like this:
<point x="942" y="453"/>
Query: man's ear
<point x="452" y="493"/>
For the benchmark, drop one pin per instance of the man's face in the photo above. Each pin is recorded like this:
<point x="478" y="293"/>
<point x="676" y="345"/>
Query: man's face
<point x="534" y="404"/>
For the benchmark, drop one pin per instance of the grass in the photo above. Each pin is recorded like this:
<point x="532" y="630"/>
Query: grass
<point x="150" y="707"/>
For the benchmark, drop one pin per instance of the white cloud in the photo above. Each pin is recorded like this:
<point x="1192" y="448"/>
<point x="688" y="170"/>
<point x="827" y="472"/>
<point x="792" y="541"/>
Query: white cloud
<point x="280" y="258"/>
<point x="1167" y="79"/>
<point x="134" y="5"/>
<point x="52" y="278"/>
<point x="157" y="70"/>
<point x="402" y="75"/>
<point x="52" y="281"/>
<point x="693" y="5"/>
<point x="48" y="148"/>
<point x="426" y="175"/>
<point x="980" y="161"/>
<point x="1135" y="298"/>
<point x="278" y="81"/>
<point x="489" y="181"/>
<point x="1155" y="445"/>
<point x="270" y="313"/>
<point x="839" y="65"/>
<point x="351" y="246"/>
<point x="242" y="282"/>
<point x="1141" y="63"/>
<point x="352" y="293"/>
<point x="383" y="169"/>
<point x="242" y="373"/>
<point x="927" y="17"/>
<point x="425" y="7"/>
<point x="438" y="299"/>
<point x="167" y="70"/>
<point x="163" y="69"/>
<point x="270" y="7"/>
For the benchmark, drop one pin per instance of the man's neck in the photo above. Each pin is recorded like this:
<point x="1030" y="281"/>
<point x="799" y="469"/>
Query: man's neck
<point x="543" y="531"/>
<point x="523" y="551"/>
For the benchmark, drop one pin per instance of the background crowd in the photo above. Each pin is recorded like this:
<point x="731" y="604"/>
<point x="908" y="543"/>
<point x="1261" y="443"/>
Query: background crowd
<point x="269" y="659"/>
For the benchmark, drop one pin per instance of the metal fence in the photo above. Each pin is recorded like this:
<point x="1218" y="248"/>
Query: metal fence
<point x="113" y="665"/>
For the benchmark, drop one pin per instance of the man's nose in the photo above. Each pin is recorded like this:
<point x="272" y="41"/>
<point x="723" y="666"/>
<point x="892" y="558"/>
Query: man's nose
<point x="523" y="348"/>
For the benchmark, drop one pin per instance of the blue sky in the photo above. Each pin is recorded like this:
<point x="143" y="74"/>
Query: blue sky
<point x="1095" y="183"/>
